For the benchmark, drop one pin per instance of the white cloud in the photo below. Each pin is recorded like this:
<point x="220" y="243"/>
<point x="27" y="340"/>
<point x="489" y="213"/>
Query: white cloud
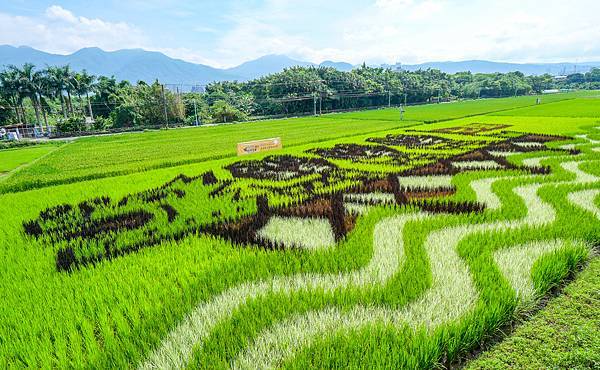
<point x="413" y="31"/>
<point x="61" y="31"/>
<point x="56" y="12"/>
<point x="408" y="31"/>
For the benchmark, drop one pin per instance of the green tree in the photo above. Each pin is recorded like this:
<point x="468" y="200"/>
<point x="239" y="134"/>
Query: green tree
<point x="221" y="111"/>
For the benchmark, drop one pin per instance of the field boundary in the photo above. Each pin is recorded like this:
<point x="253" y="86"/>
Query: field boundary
<point x="6" y="175"/>
<point x="523" y="317"/>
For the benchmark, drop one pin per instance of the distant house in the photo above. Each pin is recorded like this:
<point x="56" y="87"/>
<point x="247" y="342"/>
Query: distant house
<point x="21" y="130"/>
<point x="560" y="78"/>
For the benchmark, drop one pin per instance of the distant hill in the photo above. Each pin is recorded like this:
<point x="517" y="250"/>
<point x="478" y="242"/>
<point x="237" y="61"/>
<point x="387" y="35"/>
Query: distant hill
<point x="276" y="63"/>
<point x="130" y="64"/>
<point x="340" y="66"/>
<point x="137" y="64"/>
<point x="265" y="65"/>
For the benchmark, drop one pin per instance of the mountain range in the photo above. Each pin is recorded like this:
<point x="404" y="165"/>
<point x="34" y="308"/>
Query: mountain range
<point x="138" y="64"/>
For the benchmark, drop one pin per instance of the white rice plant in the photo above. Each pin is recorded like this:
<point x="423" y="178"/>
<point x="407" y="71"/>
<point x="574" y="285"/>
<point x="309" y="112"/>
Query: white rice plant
<point x="516" y="262"/>
<point x="586" y="137"/>
<point x="484" y="193"/>
<point x="568" y="146"/>
<point x="297" y="232"/>
<point x="532" y="162"/>
<point x="496" y="153"/>
<point x="425" y="182"/>
<point x="467" y="165"/>
<point x="357" y="208"/>
<point x="375" y="197"/>
<point x="585" y="200"/>
<point x="581" y="177"/>
<point x="529" y="144"/>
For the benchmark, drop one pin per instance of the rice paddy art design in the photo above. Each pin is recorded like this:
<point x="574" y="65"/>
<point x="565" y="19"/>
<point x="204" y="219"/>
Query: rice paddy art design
<point x="316" y="200"/>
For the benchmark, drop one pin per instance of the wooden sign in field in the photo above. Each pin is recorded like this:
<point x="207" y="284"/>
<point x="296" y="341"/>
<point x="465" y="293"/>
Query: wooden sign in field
<point x="250" y="147"/>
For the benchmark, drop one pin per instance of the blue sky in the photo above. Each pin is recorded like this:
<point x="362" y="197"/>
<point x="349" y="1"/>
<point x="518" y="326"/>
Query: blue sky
<point x="226" y="33"/>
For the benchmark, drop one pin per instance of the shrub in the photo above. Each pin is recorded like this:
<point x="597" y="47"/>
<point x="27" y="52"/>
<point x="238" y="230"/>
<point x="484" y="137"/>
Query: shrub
<point x="102" y="123"/>
<point x="71" y="124"/>
<point x="222" y="111"/>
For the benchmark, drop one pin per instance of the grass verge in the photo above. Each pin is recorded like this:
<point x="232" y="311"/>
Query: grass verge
<point x="562" y="335"/>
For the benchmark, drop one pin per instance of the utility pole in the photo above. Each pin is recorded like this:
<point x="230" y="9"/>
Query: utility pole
<point x="320" y="105"/>
<point x="405" y="100"/>
<point x="196" y="112"/>
<point x="315" y="104"/>
<point x="389" y="99"/>
<point x="165" y="105"/>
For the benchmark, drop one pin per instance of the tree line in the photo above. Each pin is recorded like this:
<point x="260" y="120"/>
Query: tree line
<point x="75" y="101"/>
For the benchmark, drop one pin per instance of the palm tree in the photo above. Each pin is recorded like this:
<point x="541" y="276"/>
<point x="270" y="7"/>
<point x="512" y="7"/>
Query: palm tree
<point x="57" y="83"/>
<point x="69" y="83"/>
<point x="30" y="86"/>
<point x="85" y="84"/>
<point x="46" y="89"/>
<point x="9" y="80"/>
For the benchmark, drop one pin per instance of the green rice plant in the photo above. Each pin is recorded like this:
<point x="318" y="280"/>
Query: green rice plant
<point x="427" y="261"/>
<point x="441" y="112"/>
<point x="582" y="107"/>
<point x="11" y="159"/>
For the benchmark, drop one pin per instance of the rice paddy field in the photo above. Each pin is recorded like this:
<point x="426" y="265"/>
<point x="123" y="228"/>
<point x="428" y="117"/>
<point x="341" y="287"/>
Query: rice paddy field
<point x="11" y="159"/>
<point x="367" y="242"/>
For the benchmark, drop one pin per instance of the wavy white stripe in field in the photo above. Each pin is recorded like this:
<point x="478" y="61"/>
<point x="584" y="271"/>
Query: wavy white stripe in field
<point x="427" y="182"/>
<point x="496" y="153"/>
<point x="529" y="144"/>
<point x="585" y="199"/>
<point x="376" y="197"/>
<point x="357" y="208"/>
<point x="533" y="162"/>
<point x="451" y="295"/>
<point x="516" y="263"/>
<point x="467" y="165"/>
<point x="581" y="177"/>
<point x="306" y="233"/>
<point x="483" y="187"/>
<point x="484" y="193"/>
<point x="568" y="146"/>
<point x="388" y="255"/>
<point x="586" y="137"/>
